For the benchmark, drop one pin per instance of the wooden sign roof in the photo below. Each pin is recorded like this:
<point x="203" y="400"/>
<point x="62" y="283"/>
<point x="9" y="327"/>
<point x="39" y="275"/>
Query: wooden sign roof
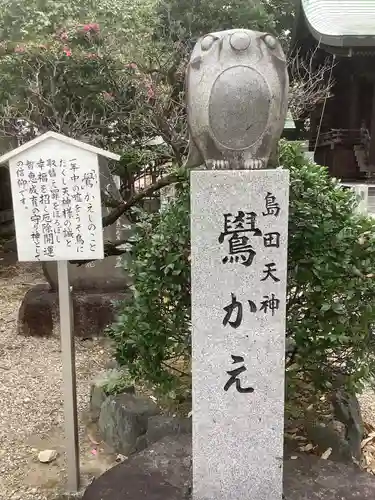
<point x="62" y="138"/>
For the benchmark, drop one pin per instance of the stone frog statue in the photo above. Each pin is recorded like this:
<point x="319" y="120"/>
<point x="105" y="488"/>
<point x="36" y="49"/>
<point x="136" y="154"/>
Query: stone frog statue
<point x="237" y="98"/>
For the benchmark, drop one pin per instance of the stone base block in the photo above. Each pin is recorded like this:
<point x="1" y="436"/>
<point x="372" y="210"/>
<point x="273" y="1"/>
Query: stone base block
<point x="92" y="312"/>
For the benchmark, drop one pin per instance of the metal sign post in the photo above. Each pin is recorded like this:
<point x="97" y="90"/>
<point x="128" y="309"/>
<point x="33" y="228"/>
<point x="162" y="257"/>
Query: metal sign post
<point x="69" y="376"/>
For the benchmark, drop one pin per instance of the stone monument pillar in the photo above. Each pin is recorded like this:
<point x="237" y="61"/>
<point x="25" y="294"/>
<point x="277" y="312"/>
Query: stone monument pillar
<point x="237" y="87"/>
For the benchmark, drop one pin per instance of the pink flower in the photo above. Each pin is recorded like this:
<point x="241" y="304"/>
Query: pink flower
<point x="67" y="51"/>
<point x="150" y="92"/>
<point x="107" y="96"/>
<point x="19" y="49"/>
<point x="132" y="66"/>
<point x="94" y="27"/>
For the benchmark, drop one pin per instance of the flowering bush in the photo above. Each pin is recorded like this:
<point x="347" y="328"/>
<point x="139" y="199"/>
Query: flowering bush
<point x="68" y="68"/>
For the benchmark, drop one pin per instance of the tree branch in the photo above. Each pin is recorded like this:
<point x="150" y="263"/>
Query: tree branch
<point x="123" y="206"/>
<point x="311" y="83"/>
<point x="111" y="247"/>
<point x="183" y="374"/>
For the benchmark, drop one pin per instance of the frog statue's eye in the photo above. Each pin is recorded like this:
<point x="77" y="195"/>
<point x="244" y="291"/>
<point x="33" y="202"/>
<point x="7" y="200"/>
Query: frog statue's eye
<point x="270" y="41"/>
<point x="240" y="40"/>
<point x="207" y="42"/>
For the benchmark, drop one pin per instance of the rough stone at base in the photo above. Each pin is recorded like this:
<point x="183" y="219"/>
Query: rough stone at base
<point x="163" y="472"/>
<point x="310" y="478"/>
<point x="93" y="312"/>
<point x="161" y="426"/>
<point x="35" y="315"/>
<point x="326" y="436"/>
<point x="123" y="421"/>
<point x="97" y="398"/>
<point x="347" y="410"/>
<point x="98" y="392"/>
<point x="343" y="433"/>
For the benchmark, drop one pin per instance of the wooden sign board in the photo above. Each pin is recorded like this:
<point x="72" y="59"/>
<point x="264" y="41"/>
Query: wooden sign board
<point x="56" y="202"/>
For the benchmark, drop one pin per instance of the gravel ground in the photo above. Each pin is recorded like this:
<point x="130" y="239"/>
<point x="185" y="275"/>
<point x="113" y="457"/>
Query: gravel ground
<point x="31" y="410"/>
<point x="367" y="403"/>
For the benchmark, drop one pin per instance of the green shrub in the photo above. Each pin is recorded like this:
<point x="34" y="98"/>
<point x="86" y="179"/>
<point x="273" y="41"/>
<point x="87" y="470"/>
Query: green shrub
<point x="331" y="289"/>
<point x="152" y="332"/>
